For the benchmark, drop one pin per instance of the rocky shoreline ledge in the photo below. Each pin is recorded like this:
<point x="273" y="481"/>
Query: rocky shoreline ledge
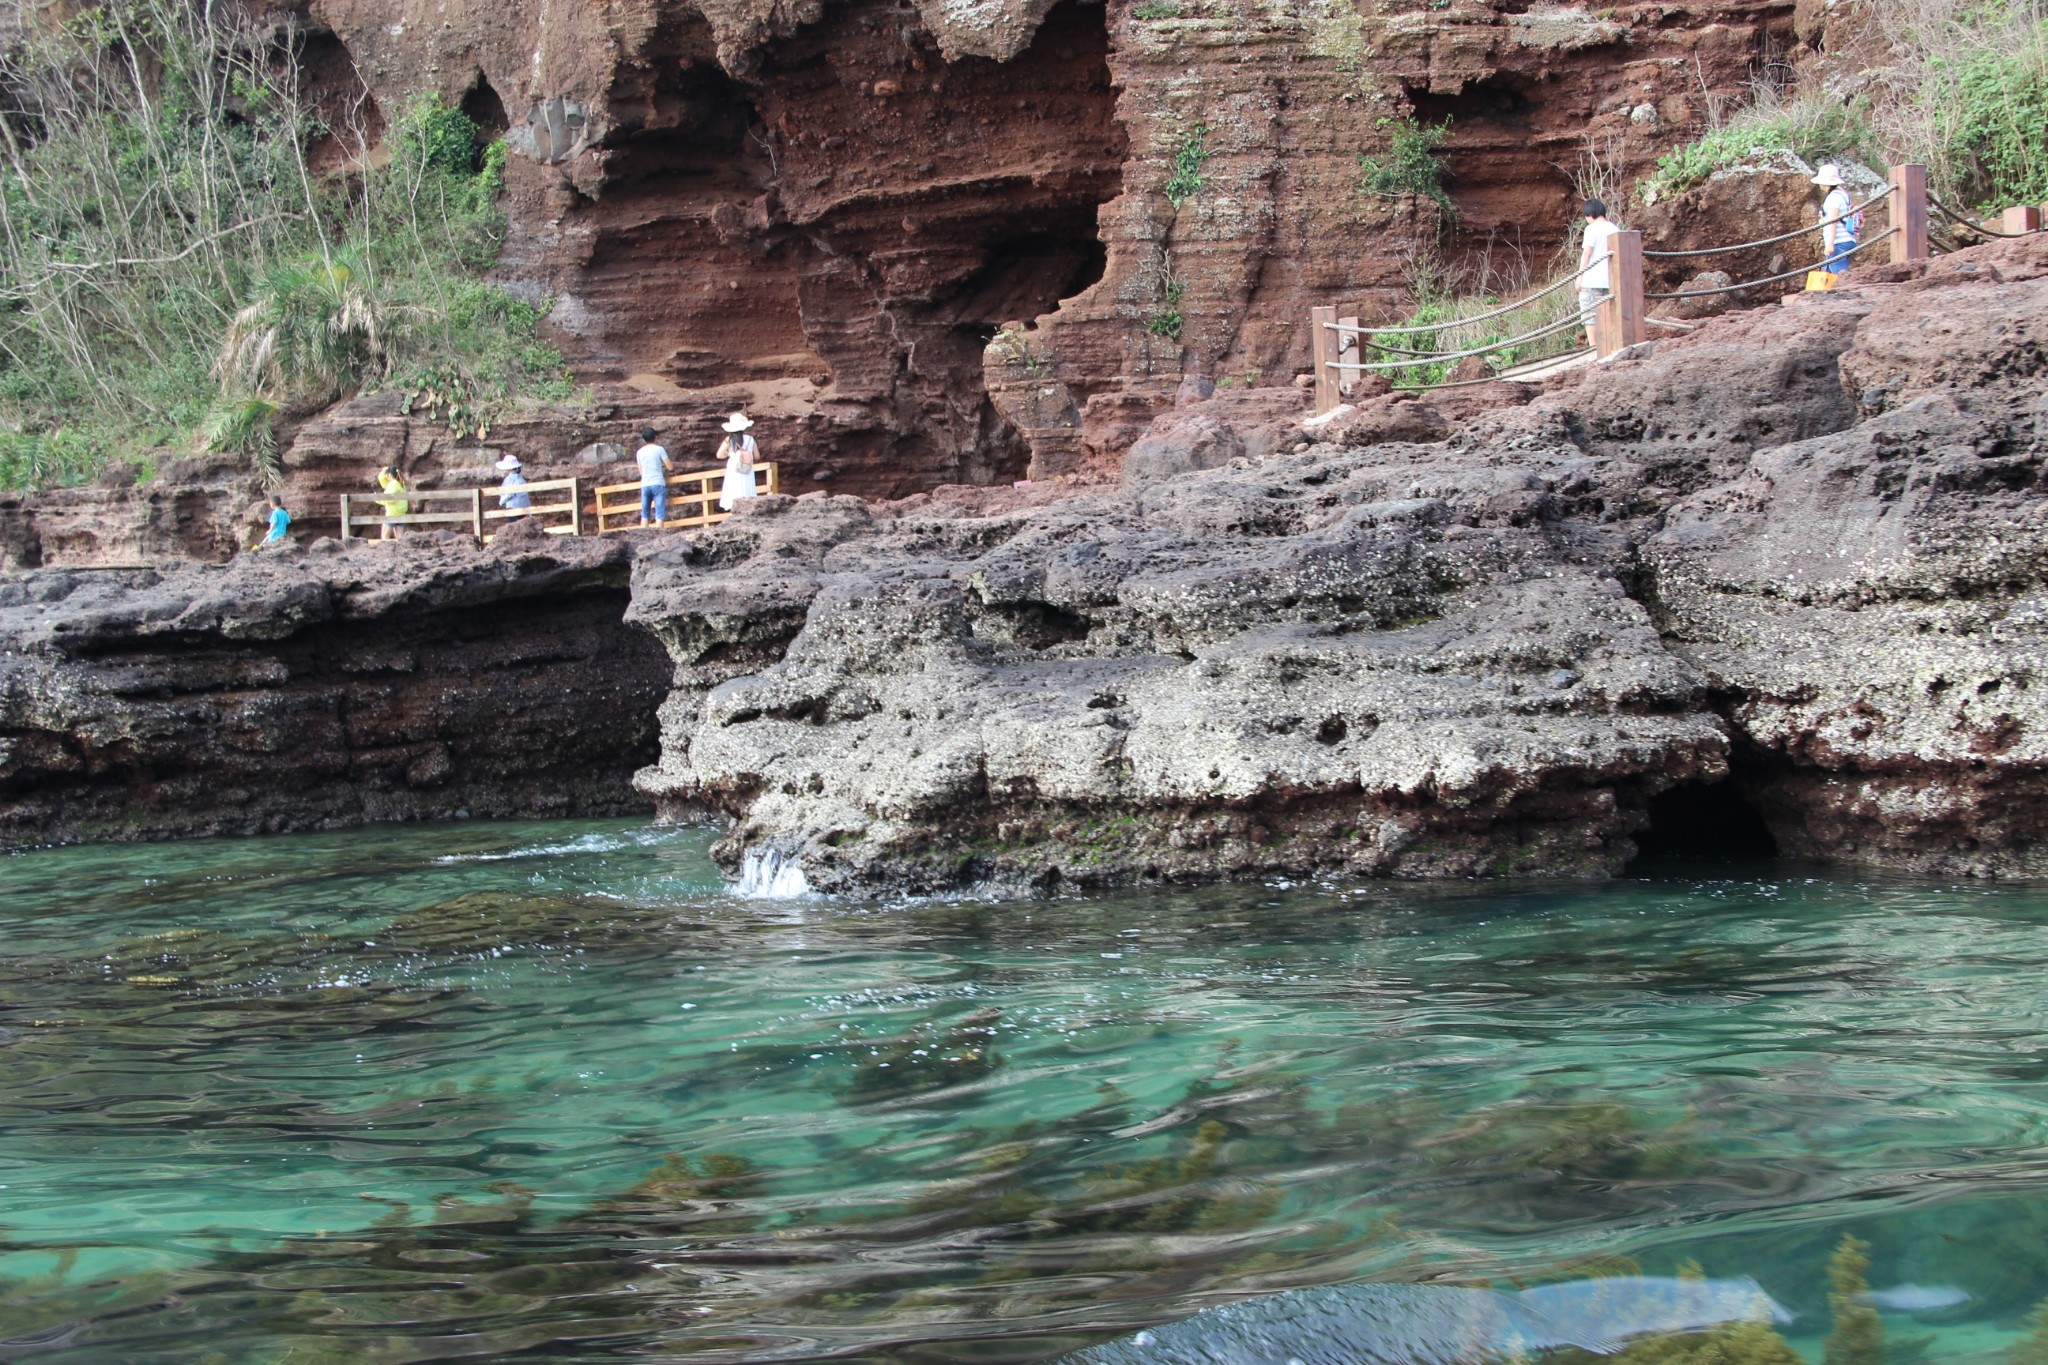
<point x="1800" y="552"/>
<point x="426" y="679"/>
<point x="1802" y="549"/>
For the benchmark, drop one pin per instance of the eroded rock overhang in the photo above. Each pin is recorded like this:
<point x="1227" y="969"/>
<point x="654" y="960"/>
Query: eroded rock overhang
<point x="1799" y="556"/>
<point x="825" y="212"/>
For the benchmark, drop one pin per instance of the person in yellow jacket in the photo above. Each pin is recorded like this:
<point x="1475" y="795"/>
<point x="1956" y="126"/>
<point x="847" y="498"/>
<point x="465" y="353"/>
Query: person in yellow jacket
<point x="389" y="482"/>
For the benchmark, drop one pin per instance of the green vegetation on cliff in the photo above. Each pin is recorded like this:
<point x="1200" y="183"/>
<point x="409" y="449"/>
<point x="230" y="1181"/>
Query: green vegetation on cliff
<point x="1977" y="105"/>
<point x="1411" y="164"/>
<point x="1963" y="91"/>
<point x="178" y="273"/>
<point x="1814" y="127"/>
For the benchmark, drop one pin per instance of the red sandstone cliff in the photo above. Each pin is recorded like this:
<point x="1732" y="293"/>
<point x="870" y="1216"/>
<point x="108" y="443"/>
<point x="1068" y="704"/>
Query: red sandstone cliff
<point x="824" y="213"/>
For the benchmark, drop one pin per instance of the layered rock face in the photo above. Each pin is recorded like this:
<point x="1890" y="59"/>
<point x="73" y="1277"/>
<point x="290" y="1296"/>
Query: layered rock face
<point x="1871" y="604"/>
<point x="1801" y="550"/>
<point x="1807" y="542"/>
<point x="424" y="679"/>
<point x="1321" y="664"/>
<point x="825" y="212"/>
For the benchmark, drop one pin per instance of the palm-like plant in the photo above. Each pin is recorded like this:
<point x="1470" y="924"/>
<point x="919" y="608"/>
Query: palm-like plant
<point x="246" y="427"/>
<point x="318" y="327"/>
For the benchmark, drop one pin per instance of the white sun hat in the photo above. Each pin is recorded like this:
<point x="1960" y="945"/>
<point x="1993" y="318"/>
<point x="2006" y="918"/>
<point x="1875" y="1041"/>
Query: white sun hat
<point x="510" y="462"/>
<point x="739" y="421"/>
<point x="1829" y="175"/>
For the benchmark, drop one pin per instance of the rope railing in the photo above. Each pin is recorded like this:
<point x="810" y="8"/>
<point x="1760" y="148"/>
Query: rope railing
<point x="1772" y="241"/>
<point x="1768" y="279"/>
<point x="1918" y="225"/>
<point x="1501" y="311"/>
<point x="1364" y="340"/>
<point x="1498" y="377"/>
<point x="1360" y="367"/>
<point x="1962" y="222"/>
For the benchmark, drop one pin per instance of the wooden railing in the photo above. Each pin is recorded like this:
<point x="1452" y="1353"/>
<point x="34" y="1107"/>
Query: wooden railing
<point x="471" y="508"/>
<point x="618" y="504"/>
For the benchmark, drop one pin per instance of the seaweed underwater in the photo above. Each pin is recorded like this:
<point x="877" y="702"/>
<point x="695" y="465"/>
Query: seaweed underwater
<point x="701" y="1240"/>
<point x="535" y="1117"/>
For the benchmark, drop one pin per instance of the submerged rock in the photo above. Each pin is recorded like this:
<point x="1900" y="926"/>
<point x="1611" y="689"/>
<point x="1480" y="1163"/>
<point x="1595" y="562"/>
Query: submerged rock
<point x="1422" y="1324"/>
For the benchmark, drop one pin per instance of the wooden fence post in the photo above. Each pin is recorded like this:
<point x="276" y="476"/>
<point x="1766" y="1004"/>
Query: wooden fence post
<point x="344" y="517"/>
<point x="1351" y="347"/>
<point x="476" y="511"/>
<point x="2021" y="218"/>
<point x="575" y="507"/>
<point x="1908" y="206"/>
<point x="1618" y="322"/>
<point x="1321" y="321"/>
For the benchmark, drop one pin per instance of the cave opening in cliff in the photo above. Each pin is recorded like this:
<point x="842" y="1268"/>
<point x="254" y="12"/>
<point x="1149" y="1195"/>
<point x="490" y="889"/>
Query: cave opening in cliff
<point x="480" y="103"/>
<point x="1705" y="820"/>
<point x="349" y="117"/>
<point x="1515" y="203"/>
<point x="841" y="227"/>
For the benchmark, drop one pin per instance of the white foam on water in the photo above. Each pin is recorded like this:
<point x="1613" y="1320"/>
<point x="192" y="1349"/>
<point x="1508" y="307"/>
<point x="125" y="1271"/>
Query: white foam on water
<point x="587" y="843"/>
<point x="767" y="873"/>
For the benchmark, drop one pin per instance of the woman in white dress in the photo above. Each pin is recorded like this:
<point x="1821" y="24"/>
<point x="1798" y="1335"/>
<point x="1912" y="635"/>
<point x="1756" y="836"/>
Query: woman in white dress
<point x="738" y="451"/>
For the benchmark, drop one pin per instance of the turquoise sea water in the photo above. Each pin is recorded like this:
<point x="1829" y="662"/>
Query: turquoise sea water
<point x="547" y="1091"/>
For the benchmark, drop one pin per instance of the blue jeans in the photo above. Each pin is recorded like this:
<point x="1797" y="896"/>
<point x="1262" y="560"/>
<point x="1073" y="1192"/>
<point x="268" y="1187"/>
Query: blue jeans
<point x="654" y="496"/>
<point x="1838" y="263"/>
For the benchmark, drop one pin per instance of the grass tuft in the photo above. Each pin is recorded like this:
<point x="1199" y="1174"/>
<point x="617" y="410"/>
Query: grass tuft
<point x="1188" y="160"/>
<point x="1446" y="297"/>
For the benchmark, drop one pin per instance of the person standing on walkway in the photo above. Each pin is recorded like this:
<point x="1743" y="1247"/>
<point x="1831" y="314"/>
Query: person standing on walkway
<point x="389" y="482"/>
<point x="1841" y="225"/>
<point x="1596" y="274"/>
<point x="654" y="467"/>
<point x="738" y="451"/>
<point x="509" y="492"/>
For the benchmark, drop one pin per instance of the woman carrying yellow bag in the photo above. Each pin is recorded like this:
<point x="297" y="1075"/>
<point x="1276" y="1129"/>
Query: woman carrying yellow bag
<point x="1840" y="226"/>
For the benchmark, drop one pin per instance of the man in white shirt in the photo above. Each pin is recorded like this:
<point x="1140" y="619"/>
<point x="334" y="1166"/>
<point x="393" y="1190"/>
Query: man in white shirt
<point x="1596" y="276"/>
<point x="654" y="467"/>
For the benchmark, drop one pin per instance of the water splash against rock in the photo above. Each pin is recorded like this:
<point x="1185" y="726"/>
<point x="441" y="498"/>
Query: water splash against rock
<point x="769" y="873"/>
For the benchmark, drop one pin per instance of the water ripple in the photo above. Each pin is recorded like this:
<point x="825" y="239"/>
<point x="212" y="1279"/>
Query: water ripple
<point x="484" y="1090"/>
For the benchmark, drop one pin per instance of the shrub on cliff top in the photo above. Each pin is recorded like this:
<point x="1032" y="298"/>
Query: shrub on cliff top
<point x="1964" y="91"/>
<point x="165" y="247"/>
<point x="1813" y="126"/>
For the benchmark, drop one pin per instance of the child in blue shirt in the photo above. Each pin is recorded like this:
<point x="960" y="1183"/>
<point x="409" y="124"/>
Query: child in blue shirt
<point x="280" y="521"/>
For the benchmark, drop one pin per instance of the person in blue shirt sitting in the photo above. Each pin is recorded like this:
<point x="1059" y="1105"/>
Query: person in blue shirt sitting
<point x="514" y="480"/>
<point x="280" y="522"/>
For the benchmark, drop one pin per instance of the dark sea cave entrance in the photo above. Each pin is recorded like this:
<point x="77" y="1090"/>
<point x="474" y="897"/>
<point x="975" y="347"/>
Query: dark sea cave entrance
<point x="1704" y="821"/>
